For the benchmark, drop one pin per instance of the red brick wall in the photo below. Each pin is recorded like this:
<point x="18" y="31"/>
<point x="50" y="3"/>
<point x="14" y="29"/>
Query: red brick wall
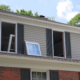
<point x="8" y="73"/>
<point x="68" y="75"/>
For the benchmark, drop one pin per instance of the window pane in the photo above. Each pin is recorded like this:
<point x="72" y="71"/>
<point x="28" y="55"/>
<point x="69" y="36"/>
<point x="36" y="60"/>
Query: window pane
<point x="37" y="52"/>
<point x="36" y="46"/>
<point x="43" y="75"/>
<point x="29" y="46"/>
<point x="30" y="52"/>
<point x="39" y="79"/>
<point x="33" y="74"/>
<point x="34" y="79"/>
<point x="39" y="75"/>
<point x="43" y="79"/>
<point x="33" y="49"/>
<point x="13" y="45"/>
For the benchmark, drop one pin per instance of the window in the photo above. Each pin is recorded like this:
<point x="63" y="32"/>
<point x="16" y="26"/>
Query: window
<point x="58" y="44"/>
<point x="39" y="76"/>
<point x="33" y="48"/>
<point x="8" y="40"/>
<point x="11" y="45"/>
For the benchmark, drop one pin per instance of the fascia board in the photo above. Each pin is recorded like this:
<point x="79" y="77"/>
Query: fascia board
<point x="54" y="23"/>
<point x="22" y="58"/>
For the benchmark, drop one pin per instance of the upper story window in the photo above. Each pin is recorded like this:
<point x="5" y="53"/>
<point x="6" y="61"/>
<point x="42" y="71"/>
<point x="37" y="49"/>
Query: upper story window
<point x="39" y="76"/>
<point x="7" y="40"/>
<point x="33" y="48"/>
<point x="58" y="44"/>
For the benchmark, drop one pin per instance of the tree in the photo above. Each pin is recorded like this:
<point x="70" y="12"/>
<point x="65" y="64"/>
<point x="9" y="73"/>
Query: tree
<point x="36" y="14"/>
<point x="51" y="18"/>
<point x="5" y="8"/>
<point x="75" y="21"/>
<point x="22" y="11"/>
<point x="28" y="13"/>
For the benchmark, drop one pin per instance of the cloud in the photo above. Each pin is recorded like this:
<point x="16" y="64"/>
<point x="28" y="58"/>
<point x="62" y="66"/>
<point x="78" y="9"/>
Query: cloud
<point x="64" y="10"/>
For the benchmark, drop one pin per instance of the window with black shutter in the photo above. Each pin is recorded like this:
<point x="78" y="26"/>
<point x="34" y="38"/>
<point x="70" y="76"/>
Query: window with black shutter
<point x="58" y="43"/>
<point x="20" y="38"/>
<point x="25" y="74"/>
<point x="68" y="45"/>
<point x="54" y="75"/>
<point x="8" y="37"/>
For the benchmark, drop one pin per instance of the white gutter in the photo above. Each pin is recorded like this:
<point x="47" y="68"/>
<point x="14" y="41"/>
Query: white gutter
<point x="48" y="60"/>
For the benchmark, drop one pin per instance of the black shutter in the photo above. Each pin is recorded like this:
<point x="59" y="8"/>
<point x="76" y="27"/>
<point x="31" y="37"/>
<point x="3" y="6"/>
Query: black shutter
<point x="49" y="42"/>
<point x="25" y="74"/>
<point x="68" y="46"/>
<point x="20" y="38"/>
<point x="54" y="75"/>
<point x="79" y="75"/>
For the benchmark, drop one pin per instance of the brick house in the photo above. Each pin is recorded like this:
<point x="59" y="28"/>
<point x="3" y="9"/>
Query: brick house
<point x="38" y="49"/>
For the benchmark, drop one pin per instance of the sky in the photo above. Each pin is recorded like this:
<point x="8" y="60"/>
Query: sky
<point x="62" y="10"/>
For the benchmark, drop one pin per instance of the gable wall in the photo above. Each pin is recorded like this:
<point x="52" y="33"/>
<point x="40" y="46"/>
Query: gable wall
<point x="75" y="45"/>
<point x="36" y="34"/>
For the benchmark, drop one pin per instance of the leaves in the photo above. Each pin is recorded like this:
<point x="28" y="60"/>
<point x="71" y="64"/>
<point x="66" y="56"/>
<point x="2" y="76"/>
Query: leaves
<point x="51" y="18"/>
<point x="75" y="21"/>
<point x="5" y="8"/>
<point x="22" y="11"/>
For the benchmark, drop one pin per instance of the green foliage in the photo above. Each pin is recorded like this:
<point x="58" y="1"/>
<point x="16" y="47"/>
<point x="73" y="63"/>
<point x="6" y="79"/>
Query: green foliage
<point x="28" y="13"/>
<point x="5" y="8"/>
<point x="75" y="21"/>
<point x="36" y="14"/>
<point x="51" y="18"/>
<point x="22" y="11"/>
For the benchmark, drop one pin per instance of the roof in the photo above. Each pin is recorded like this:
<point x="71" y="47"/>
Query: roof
<point x="15" y="14"/>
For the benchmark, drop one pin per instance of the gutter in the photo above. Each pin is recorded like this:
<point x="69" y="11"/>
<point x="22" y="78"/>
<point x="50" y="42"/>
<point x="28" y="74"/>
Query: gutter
<point x="39" y="59"/>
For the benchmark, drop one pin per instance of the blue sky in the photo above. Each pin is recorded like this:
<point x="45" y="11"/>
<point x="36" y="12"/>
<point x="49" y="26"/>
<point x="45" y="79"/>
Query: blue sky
<point x="62" y="10"/>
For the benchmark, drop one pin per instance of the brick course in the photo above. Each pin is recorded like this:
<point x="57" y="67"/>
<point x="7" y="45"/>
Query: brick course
<point x="9" y="73"/>
<point x="68" y="75"/>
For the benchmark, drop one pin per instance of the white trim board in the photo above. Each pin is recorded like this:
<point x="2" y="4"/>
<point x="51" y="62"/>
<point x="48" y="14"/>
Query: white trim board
<point x="0" y="35"/>
<point x="23" y="17"/>
<point x="31" y="24"/>
<point x="36" y="63"/>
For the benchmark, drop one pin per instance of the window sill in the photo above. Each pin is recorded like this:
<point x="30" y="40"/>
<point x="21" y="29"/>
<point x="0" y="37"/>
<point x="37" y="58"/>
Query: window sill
<point x="59" y="57"/>
<point x="8" y="52"/>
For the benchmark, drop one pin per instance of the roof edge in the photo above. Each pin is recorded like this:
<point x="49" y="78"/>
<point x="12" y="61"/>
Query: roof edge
<point x="36" y="19"/>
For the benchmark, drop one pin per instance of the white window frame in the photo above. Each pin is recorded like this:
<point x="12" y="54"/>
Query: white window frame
<point x="41" y="73"/>
<point x="32" y="43"/>
<point x="11" y="22"/>
<point x="63" y="43"/>
<point x="10" y="41"/>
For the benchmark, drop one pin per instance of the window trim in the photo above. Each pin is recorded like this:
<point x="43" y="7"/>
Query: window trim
<point x="0" y="35"/>
<point x="32" y="43"/>
<point x="10" y="41"/>
<point x="64" y="46"/>
<point x="11" y="22"/>
<point x="41" y="73"/>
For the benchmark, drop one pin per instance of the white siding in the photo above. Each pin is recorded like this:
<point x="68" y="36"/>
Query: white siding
<point x="75" y="45"/>
<point x="36" y="34"/>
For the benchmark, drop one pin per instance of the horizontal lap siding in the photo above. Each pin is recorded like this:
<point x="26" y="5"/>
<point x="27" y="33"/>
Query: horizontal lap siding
<point x="36" y="34"/>
<point x="75" y="45"/>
